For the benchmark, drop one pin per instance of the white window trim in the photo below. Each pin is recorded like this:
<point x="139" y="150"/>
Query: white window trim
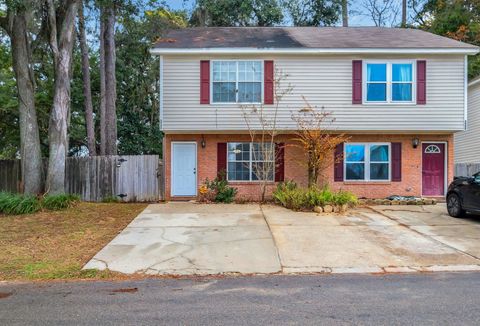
<point x="367" y="162"/>
<point x="236" y="83"/>
<point x="389" y="82"/>
<point x="249" y="164"/>
<point x="434" y="146"/>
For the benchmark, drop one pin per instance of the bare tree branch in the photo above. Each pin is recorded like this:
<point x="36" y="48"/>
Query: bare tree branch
<point x="262" y="126"/>
<point x="416" y="7"/>
<point x="382" y="12"/>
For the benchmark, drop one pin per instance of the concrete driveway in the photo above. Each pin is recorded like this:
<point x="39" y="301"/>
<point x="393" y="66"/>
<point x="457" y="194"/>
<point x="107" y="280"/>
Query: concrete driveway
<point x="376" y="241"/>
<point x="461" y="234"/>
<point x="189" y="238"/>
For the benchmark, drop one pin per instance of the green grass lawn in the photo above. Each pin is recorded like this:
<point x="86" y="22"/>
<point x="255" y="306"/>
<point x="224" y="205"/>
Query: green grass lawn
<point x="55" y="245"/>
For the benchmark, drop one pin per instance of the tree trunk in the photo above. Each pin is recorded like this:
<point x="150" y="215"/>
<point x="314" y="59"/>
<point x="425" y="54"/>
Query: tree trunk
<point x="30" y="152"/>
<point x="404" y="13"/>
<point x="311" y="175"/>
<point x="87" y="91"/>
<point x="345" y="13"/>
<point x="103" y="136"/>
<point x="110" y="83"/>
<point x="57" y="132"/>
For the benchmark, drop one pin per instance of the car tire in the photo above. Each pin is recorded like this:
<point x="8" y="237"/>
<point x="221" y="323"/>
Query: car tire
<point x="454" y="206"/>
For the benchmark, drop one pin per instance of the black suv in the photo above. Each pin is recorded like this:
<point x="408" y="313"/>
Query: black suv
<point x="464" y="196"/>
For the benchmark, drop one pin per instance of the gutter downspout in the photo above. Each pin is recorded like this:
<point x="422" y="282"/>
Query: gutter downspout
<point x="465" y="93"/>
<point x="161" y="94"/>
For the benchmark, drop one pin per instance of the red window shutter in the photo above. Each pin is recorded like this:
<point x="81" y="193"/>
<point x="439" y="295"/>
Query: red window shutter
<point x="279" y="162"/>
<point x="268" y="79"/>
<point x="205" y="82"/>
<point x="421" y="82"/>
<point x="397" y="162"/>
<point x="221" y="160"/>
<point x="338" y="166"/>
<point x="357" y="82"/>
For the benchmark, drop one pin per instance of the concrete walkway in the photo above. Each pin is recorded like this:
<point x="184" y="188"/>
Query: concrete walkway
<point x="189" y="238"/>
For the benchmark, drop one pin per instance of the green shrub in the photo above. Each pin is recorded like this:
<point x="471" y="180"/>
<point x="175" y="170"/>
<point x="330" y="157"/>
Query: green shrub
<point x="289" y="195"/>
<point x="317" y="197"/>
<point x="58" y="202"/>
<point x="223" y="192"/>
<point x="345" y="198"/>
<point x="110" y="199"/>
<point x="16" y="204"/>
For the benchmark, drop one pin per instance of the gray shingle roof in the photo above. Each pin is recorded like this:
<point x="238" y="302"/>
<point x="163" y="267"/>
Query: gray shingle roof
<point x="306" y="37"/>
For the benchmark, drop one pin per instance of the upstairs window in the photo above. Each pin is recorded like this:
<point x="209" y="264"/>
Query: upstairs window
<point x="389" y="82"/>
<point x="402" y="82"/>
<point x="376" y="82"/>
<point x="237" y="81"/>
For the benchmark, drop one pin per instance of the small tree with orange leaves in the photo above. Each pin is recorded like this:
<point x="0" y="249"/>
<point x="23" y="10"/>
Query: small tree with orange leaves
<point x="318" y="141"/>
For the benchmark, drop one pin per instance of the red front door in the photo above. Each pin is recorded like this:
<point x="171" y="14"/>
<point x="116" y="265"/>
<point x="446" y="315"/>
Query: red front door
<point x="433" y="169"/>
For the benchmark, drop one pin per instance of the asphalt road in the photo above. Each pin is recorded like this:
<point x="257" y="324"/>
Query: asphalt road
<point x="420" y="299"/>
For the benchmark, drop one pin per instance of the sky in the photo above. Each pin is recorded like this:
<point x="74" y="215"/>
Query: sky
<point x="355" y="18"/>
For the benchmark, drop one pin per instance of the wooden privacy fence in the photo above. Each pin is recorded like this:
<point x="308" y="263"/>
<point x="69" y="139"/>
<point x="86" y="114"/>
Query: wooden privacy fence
<point x="10" y="175"/>
<point x="466" y="169"/>
<point x="127" y="177"/>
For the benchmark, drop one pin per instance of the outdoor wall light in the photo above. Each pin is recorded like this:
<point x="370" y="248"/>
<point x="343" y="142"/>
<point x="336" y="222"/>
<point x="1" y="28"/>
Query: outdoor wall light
<point x="415" y="142"/>
<point x="203" y="142"/>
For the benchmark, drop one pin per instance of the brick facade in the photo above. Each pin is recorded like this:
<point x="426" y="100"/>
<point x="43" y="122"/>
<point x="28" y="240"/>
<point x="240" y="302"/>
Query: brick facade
<point x="410" y="185"/>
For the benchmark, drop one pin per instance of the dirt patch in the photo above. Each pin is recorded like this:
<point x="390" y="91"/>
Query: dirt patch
<point x="125" y="290"/>
<point x="4" y="295"/>
<point x="56" y="245"/>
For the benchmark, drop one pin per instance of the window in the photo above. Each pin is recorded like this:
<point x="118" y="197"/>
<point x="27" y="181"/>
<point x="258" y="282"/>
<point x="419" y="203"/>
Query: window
<point x="476" y="178"/>
<point x="432" y="149"/>
<point x="367" y="162"/>
<point x="389" y="82"/>
<point x="402" y="82"/>
<point x="376" y="82"/>
<point x="250" y="161"/>
<point x="237" y="81"/>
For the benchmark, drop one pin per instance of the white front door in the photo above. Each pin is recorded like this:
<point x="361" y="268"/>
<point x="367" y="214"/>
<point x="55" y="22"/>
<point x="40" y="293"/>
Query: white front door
<point x="184" y="169"/>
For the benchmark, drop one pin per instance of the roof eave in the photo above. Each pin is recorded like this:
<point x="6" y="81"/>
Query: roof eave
<point x="465" y="51"/>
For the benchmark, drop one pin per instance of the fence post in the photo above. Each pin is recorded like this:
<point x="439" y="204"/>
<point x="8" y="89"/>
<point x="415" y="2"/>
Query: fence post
<point x="161" y="179"/>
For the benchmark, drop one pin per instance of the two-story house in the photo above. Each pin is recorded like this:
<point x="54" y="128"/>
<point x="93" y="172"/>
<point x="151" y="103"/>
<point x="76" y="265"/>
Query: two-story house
<point x="400" y="94"/>
<point x="467" y="143"/>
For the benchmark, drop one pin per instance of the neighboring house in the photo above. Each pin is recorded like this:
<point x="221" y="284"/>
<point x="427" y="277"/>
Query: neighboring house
<point x="399" y="93"/>
<point x="467" y="143"/>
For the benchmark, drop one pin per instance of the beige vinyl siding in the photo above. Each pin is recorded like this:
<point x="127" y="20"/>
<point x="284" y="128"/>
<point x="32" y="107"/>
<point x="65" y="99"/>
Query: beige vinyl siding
<point x="467" y="143"/>
<point x="325" y="81"/>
